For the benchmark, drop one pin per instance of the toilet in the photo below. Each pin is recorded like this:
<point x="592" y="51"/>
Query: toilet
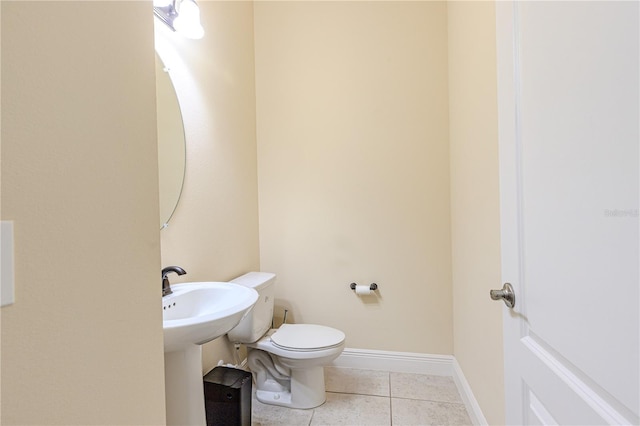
<point x="287" y="363"/>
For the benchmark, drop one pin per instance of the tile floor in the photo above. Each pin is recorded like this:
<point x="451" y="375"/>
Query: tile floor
<point x="367" y="397"/>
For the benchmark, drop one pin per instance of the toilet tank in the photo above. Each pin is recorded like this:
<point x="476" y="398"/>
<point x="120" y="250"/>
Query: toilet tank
<point x="258" y="321"/>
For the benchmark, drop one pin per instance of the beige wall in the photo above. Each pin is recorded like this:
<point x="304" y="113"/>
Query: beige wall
<point x="475" y="221"/>
<point x="213" y="234"/>
<point x="353" y="167"/>
<point x="83" y="342"/>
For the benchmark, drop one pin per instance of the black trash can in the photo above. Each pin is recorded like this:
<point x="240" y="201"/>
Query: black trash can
<point x="227" y="397"/>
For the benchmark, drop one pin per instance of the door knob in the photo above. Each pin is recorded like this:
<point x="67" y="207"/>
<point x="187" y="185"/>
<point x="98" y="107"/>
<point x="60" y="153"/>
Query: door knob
<point x="506" y="294"/>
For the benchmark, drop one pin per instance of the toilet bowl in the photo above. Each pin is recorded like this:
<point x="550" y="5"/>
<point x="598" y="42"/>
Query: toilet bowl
<point x="287" y="363"/>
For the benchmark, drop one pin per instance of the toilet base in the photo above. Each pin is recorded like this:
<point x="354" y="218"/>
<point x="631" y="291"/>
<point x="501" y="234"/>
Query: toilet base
<point x="307" y="390"/>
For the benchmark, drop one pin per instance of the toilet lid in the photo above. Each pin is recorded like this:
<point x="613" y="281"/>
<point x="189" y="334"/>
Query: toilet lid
<point x="306" y="337"/>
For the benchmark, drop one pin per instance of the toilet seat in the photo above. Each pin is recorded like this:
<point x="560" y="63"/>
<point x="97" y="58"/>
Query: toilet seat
<point x="306" y="337"/>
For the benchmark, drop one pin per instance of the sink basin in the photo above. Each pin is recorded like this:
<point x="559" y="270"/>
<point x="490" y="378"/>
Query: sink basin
<point x="196" y="313"/>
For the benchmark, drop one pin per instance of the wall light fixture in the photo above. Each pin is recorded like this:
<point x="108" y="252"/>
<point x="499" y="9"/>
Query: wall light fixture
<point x="182" y="16"/>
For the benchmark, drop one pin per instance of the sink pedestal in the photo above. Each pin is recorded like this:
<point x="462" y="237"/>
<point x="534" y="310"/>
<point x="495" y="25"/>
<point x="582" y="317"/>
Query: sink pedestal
<point x="184" y="389"/>
<point x="196" y="313"/>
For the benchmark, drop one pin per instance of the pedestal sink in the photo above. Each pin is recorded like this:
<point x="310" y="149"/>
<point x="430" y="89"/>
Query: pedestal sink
<point x="194" y="314"/>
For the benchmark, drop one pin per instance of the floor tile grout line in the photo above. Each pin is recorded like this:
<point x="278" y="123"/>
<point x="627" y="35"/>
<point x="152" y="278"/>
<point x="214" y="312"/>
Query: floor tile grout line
<point x="397" y="397"/>
<point x="428" y="400"/>
<point x="356" y="393"/>
<point x="311" y="418"/>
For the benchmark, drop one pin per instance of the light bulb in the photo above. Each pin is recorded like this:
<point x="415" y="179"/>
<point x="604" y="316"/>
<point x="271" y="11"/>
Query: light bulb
<point x="187" y="23"/>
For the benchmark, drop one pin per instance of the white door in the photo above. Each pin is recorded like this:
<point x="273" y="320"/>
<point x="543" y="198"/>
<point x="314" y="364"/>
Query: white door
<point x="569" y="135"/>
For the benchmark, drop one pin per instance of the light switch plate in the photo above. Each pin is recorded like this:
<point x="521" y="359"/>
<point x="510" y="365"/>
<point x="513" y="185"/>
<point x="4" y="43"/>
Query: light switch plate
<point x="7" y="293"/>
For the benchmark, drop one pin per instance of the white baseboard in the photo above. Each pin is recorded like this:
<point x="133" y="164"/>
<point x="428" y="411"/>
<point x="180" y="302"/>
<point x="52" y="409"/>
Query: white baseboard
<point x="470" y="402"/>
<point x="409" y="362"/>
<point x="397" y="362"/>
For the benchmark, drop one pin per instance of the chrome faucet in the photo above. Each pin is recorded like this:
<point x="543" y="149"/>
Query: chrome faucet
<point x="166" y="287"/>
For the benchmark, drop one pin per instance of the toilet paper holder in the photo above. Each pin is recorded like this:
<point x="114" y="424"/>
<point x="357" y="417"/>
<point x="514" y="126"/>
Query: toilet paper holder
<point x="372" y="287"/>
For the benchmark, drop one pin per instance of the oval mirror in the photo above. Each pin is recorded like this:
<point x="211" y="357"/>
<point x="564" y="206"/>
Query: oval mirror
<point x="171" y="144"/>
